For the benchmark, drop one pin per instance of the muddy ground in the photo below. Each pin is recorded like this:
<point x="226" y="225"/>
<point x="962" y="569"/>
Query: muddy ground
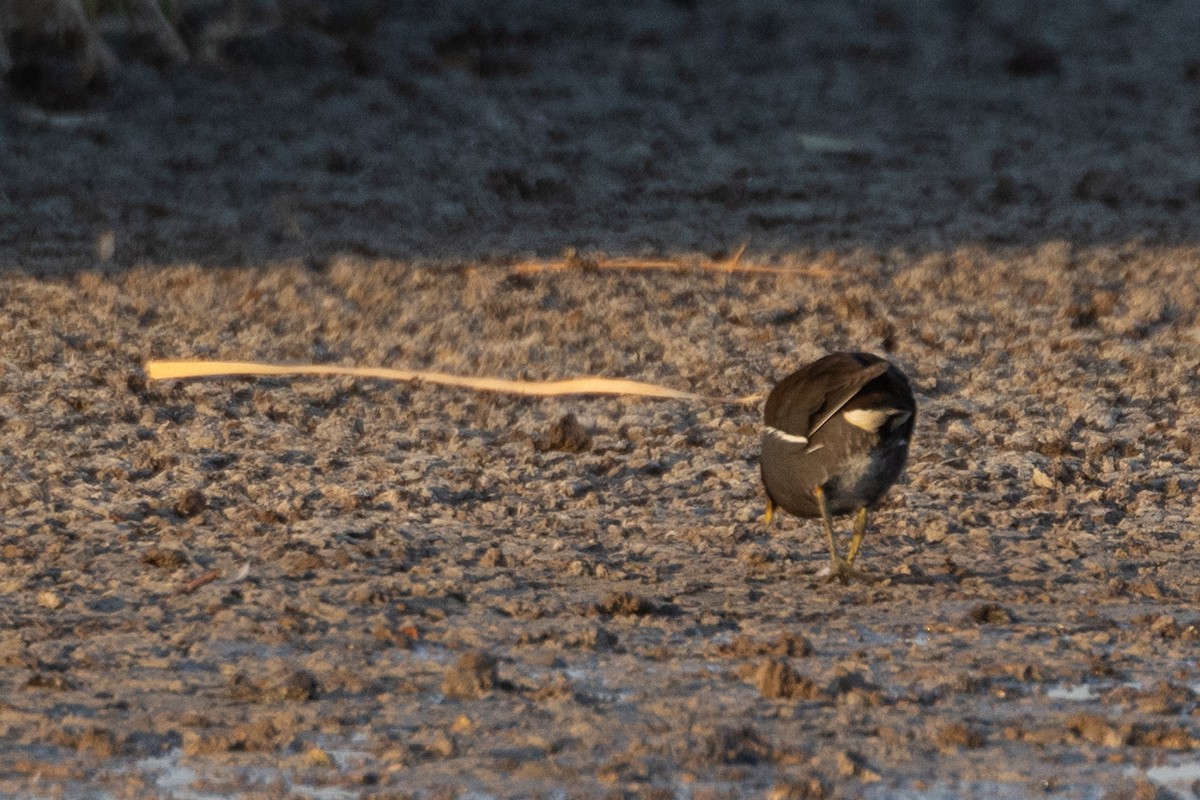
<point x="346" y="588"/>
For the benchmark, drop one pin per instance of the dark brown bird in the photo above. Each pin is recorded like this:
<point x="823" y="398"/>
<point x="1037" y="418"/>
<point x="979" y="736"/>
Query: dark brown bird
<point x="836" y="439"/>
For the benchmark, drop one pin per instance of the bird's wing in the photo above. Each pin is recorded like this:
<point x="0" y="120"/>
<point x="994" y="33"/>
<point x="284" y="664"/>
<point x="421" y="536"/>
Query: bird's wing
<point x="840" y="393"/>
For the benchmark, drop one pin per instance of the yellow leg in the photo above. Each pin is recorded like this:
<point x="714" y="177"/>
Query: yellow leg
<point x="770" y="515"/>
<point x="840" y="568"/>
<point x="860" y="528"/>
<point x="828" y="519"/>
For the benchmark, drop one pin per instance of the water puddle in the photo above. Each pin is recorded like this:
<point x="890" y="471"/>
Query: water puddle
<point x="173" y="778"/>
<point x="1179" y="778"/>
<point x="992" y="790"/>
<point x="880" y="639"/>
<point x="1077" y="692"/>
<point x="591" y="681"/>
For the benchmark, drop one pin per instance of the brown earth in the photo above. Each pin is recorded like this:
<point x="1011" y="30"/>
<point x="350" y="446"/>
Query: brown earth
<point x="347" y="588"/>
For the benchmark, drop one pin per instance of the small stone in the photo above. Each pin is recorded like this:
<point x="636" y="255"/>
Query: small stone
<point x="936" y="530"/>
<point x="314" y="756"/>
<point x="50" y="599"/>
<point x="1042" y="480"/>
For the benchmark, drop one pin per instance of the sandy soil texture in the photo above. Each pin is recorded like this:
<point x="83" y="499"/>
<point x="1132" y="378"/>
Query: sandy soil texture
<point x="347" y="588"/>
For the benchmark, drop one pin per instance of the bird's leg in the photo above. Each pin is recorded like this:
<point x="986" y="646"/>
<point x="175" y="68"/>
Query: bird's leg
<point x="828" y="520"/>
<point x="860" y="528"/>
<point x="841" y="568"/>
<point x="770" y="515"/>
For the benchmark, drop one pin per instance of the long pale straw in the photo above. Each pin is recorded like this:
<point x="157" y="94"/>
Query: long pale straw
<point x="178" y="370"/>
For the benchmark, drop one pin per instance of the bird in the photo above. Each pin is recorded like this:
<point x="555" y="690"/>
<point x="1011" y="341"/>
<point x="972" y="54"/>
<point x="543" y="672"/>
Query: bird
<point x="835" y="439"/>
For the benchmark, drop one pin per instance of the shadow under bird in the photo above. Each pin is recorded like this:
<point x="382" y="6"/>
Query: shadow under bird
<point x="836" y="439"/>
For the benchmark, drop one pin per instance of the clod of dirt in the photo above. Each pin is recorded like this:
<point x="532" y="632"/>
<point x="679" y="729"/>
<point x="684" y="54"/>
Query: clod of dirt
<point x="402" y="637"/>
<point x="989" y="614"/>
<point x="57" y="683"/>
<point x="1166" y="626"/>
<point x="592" y="638"/>
<point x="733" y="746"/>
<point x="190" y="502"/>
<point x="1163" y="697"/>
<point x="291" y="685"/>
<point x="1164" y="735"/>
<point x="433" y="745"/>
<point x="775" y="677"/>
<point x="315" y="757"/>
<point x="1004" y="191"/>
<point x="625" y="768"/>
<point x="853" y="689"/>
<point x="566" y="435"/>
<point x="298" y="685"/>
<point x="1099" y="730"/>
<point x="1104" y="186"/>
<point x="957" y="735"/>
<point x="95" y="741"/>
<point x="1031" y="58"/>
<point x="298" y="563"/>
<point x="164" y="558"/>
<point x="492" y="557"/>
<point x="807" y="788"/>
<point x="853" y="765"/>
<point x="786" y="645"/>
<point x="257" y="736"/>
<point x="626" y="604"/>
<point x="473" y="675"/>
<point x="1140" y="789"/>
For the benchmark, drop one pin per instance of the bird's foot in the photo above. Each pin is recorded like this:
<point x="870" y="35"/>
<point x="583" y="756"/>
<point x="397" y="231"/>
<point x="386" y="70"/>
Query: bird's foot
<point x="839" y="569"/>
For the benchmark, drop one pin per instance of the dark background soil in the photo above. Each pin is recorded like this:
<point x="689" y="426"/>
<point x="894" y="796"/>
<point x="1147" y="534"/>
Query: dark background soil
<point x="348" y="588"/>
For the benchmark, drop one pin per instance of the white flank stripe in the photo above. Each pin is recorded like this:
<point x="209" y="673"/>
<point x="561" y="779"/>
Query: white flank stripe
<point x="782" y="436"/>
<point x="869" y="419"/>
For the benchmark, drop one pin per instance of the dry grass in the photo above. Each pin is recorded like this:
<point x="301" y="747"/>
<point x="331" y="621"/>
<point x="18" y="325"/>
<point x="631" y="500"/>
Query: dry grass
<point x="573" y="261"/>
<point x="594" y="385"/>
